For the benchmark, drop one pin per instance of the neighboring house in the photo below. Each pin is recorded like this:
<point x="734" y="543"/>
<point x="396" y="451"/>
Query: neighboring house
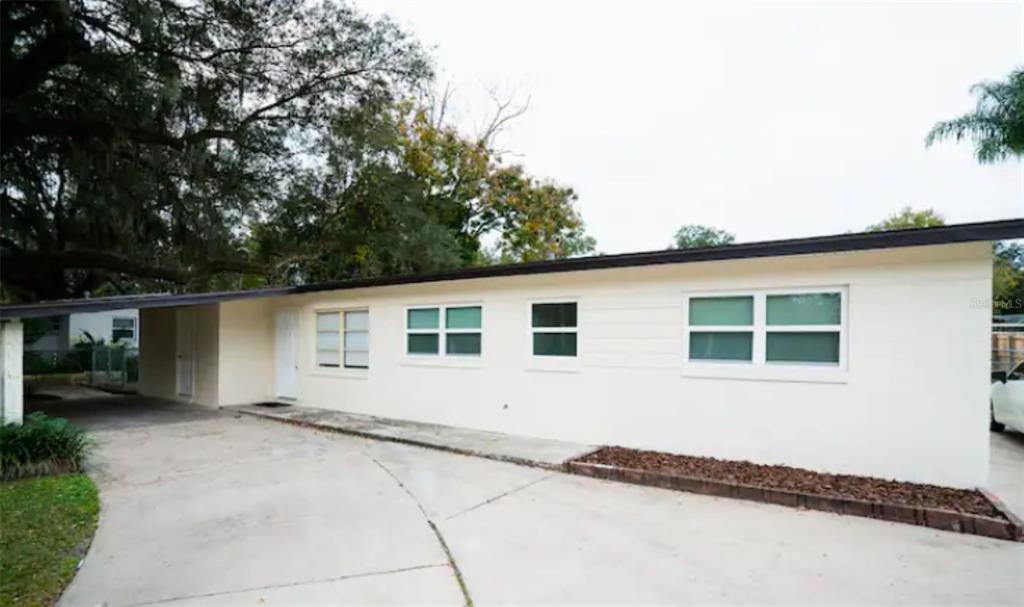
<point x="119" y="327"/>
<point x="859" y="353"/>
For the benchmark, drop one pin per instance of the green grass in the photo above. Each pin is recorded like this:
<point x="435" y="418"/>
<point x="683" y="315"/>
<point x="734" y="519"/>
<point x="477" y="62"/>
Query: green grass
<point x="45" y="525"/>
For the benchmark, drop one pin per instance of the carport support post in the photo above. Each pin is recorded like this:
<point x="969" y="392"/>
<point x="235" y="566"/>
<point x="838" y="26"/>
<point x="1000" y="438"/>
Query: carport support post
<point x="11" y="345"/>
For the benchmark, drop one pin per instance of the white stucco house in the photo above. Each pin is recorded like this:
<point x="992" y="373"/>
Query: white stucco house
<point x="859" y="353"/>
<point x="120" y="327"/>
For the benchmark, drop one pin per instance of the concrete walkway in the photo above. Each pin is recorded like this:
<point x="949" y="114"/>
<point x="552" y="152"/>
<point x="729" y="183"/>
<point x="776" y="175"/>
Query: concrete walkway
<point x="204" y="507"/>
<point x="523" y="450"/>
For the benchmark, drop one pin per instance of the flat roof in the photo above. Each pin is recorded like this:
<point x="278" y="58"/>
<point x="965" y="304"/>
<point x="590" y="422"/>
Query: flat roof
<point x="860" y="241"/>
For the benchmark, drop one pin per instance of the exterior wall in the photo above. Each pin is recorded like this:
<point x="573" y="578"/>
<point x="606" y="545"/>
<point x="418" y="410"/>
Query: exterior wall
<point x="158" y="354"/>
<point x="246" y="352"/>
<point x="912" y="404"/>
<point x="100" y="326"/>
<point x="207" y="352"/>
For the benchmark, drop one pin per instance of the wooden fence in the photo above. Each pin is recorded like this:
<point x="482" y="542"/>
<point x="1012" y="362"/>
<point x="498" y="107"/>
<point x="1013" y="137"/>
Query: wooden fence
<point x="1007" y="349"/>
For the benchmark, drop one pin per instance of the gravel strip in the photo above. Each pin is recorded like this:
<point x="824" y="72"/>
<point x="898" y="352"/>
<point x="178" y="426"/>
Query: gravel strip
<point x="864" y="488"/>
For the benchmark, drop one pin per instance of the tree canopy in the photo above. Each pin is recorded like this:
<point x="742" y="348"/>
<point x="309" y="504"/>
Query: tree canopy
<point x="697" y="236"/>
<point x="163" y="144"/>
<point x="1008" y="278"/>
<point x="997" y="123"/>
<point x="444" y="194"/>
<point x="909" y="218"/>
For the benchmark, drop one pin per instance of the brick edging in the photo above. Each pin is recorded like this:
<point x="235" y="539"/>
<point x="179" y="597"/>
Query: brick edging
<point x="1010" y="529"/>
<point x="1004" y="510"/>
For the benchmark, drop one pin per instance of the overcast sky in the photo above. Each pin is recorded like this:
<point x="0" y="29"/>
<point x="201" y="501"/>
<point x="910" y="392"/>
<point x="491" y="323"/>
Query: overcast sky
<point x="768" y="120"/>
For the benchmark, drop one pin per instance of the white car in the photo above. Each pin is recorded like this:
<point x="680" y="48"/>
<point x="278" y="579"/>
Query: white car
<point x="1007" y="400"/>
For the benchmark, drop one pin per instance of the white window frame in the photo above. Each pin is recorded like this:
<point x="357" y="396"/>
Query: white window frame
<point x="442" y="356"/>
<point x="316" y="338"/>
<point x="567" y="364"/>
<point x="759" y="368"/>
<point x="135" y="327"/>
<point x="344" y="336"/>
<point x="341" y="370"/>
<point x="751" y="328"/>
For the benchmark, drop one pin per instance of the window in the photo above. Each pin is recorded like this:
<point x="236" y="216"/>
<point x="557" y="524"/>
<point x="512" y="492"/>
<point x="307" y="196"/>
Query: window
<point x="343" y="339"/>
<point x="803" y="328"/>
<point x="462" y="331"/>
<point x="460" y="334"/>
<point x="328" y="339"/>
<point x="554" y="329"/>
<point x="357" y="339"/>
<point x="122" y="328"/>
<point x="767" y="328"/>
<point x="726" y="328"/>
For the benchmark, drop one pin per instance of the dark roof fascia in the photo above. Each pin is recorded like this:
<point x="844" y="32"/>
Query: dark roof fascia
<point x="987" y="231"/>
<point x="104" y="304"/>
<point x="970" y="232"/>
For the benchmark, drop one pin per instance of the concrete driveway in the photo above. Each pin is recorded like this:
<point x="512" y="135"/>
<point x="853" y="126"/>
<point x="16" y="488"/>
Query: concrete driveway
<point x="1006" y="469"/>
<point x="201" y="507"/>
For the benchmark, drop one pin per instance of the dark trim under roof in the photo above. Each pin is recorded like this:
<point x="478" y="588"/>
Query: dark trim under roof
<point x="967" y="232"/>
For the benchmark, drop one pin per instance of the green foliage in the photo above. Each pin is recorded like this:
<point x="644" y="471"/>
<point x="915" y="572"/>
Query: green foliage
<point x="158" y="145"/>
<point x="1008" y="278"/>
<point x="47" y="525"/>
<point x="697" y="236"/>
<point x="55" y="362"/>
<point x="82" y="358"/>
<point x="909" y="218"/>
<point x="401" y="194"/>
<point x="142" y="137"/>
<point x="41" y="445"/>
<point x="35" y="328"/>
<point x="997" y="123"/>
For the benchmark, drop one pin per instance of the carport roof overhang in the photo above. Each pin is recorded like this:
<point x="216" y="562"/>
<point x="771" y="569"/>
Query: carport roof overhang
<point x="967" y="232"/>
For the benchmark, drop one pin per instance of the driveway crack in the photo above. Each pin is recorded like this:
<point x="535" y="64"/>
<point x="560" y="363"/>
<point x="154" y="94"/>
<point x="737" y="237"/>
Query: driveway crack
<point x="499" y="496"/>
<point x="433" y="527"/>
<point x="286" y="585"/>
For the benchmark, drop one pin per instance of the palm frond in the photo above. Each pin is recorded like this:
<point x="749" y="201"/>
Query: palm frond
<point x="996" y="126"/>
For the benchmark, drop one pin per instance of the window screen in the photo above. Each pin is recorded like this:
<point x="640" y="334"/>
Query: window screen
<point x="357" y="339"/>
<point x="328" y="339"/>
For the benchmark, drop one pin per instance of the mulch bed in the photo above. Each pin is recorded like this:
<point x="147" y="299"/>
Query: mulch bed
<point x="798" y="480"/>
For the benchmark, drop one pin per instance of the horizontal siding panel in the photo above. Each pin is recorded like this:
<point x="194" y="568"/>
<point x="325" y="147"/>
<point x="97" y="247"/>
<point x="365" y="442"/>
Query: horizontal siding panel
<point x="632" y="315"/>
<point x="633" y="345"/>
<point x="634" y="302"/>
<point x="654" y="362"/>
<point x="650" y="330"/>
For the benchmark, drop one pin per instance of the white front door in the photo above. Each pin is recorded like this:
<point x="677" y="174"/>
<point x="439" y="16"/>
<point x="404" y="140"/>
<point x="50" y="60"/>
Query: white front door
<point x="287" y="326"/>
<point x="185" y="350"/>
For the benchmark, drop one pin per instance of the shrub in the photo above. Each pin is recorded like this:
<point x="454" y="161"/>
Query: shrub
<point x="41" y="445"/>
<point x="131" y="365"/>
<point x="50" y="362"/>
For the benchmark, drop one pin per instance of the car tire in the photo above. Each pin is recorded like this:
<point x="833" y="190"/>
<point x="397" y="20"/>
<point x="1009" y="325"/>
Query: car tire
<point x="993" y="425"/>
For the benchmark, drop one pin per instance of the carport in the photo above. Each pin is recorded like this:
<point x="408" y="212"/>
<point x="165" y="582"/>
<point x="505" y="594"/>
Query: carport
<point x="12" y="395"/>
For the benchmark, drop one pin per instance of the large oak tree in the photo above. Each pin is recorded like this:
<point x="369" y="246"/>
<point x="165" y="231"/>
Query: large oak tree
<point x="163" y="144"/>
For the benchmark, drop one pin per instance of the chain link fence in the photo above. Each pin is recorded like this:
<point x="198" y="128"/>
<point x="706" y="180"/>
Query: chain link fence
<point x="101" y="366"/>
